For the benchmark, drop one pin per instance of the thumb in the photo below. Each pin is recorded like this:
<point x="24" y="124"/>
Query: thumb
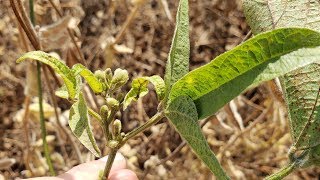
<point x="91" y="170"/>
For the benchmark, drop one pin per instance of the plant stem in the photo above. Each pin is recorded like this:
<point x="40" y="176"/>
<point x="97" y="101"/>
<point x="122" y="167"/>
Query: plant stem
<point x="283" y="172"/>
<point x="42" y="121"/>
<point x="109" y="163"/>
<point x="156" y="118"/>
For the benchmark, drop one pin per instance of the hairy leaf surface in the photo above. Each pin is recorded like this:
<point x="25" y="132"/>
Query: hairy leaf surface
<point x="182" y="113"/>
<point x="213" y="85"/>
<point x="93" y="82"/>
<point x="178" y="59"/>
<point x="301" y="86"/>
<point x="80" y="126"/>
<point x="58" y="66"/>
<point x="139" y="88"/>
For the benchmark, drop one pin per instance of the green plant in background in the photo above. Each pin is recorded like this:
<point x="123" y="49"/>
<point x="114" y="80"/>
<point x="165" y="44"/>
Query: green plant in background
<point x="185" y="97"/>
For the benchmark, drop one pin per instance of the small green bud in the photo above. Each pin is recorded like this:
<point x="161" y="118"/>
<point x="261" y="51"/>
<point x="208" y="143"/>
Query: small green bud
<point x="112" y="103"/>
<point x="104" y="112"/>
<point x="108" y="75"/>
<point x="123" y="134"/>
<point x="100" y="75"/>
<point x="117" y="126"/>
<point x="119" y="78"/>
<point x="112" y="144"/>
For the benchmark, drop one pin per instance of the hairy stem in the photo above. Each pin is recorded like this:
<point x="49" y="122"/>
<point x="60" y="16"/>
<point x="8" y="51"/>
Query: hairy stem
<point x="109" y="163"/>
<point x="42" y="121"/>
<point x="156" y="118"/>
<point x="283" y="172"/>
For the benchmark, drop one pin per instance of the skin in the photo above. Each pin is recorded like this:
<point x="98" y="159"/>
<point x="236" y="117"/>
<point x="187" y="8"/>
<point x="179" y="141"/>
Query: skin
<point x="90" y="171"/>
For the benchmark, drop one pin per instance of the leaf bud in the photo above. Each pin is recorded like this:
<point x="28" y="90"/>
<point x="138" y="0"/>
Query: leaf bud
<point x="99" y="75"/>
<point x="117" y="126"/>
<point x="112" y="144"/>
<point x="104" y="112"/>
<point x="112" y="103"/>
<point x="119" y="78"/>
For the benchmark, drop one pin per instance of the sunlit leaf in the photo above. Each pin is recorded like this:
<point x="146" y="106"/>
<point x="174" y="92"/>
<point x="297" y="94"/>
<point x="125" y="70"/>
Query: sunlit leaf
<point x="213" y="85"/>
<point x="182" y="113"/>
<point x="80" y="126"/>
<point x="301" y="86"/>
<point x="93" y="82"/>
<point x="178" y="59"/>
<point x="58" y="66"/>
<point x="139" y="88"/>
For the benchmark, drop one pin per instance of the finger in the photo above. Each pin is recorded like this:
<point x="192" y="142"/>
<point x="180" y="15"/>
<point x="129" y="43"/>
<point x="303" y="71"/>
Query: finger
<point x="91" y="170"/>
<point x="123" y="174"/>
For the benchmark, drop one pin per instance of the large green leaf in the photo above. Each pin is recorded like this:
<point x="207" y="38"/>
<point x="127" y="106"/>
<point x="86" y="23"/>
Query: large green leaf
<point x="182" y="113"/>
<point x="213" y="85"/>
<point x="80" y="126"/>
<point x="58" y="66"/>
<point x="301" y="86"/>
<point x="139" y="88"/>
<point x="264" y="15"/>
<point x="93" y="82"/>
<point x="178" y="59"/>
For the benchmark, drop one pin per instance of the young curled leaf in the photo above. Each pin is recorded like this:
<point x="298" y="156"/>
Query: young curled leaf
<point x="119" y="78"/>
<point x="91" y="79"/>
<point x="57" y="65"/>
<point x="80" y="126"/>
<point x="140" y="88"/>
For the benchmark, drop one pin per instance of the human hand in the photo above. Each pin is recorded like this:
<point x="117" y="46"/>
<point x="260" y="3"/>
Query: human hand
<point x="90" y="171"/>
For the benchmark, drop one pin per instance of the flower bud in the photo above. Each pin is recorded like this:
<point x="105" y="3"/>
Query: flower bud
<point x="104" y="112"/>
<point x="99" y="75"/>
<point x="112" y="103"/>
<point x="117" y="128"/>
<point x="112" y="144"/>
<point x="119" y="78"/>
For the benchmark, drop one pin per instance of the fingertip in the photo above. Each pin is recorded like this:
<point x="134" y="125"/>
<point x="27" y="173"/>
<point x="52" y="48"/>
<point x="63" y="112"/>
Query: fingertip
<point x="123" y="174"/>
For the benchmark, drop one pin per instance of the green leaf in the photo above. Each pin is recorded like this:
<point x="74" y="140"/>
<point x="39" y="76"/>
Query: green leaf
<point x="178" y="59"/>
<point x="264" y="15"/>
<point x="80" y="126"/>
<point x="62" y="92"/>
<point x="139" y="88"/>
<point x="57" y="65"/>
<point x="301" y="96"/>
<point x="93" y="82"/>
<point x="182" y="113"/>
<point x="213" y="85"/>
